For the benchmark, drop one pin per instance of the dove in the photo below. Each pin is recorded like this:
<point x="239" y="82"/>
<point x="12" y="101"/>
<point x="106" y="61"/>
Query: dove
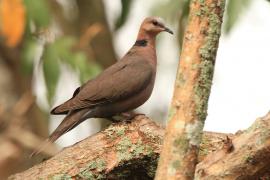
<point x="120" y="88"/>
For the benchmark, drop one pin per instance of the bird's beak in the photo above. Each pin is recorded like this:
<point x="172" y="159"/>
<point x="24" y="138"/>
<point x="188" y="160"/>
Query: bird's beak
<point x="168" y="30"/>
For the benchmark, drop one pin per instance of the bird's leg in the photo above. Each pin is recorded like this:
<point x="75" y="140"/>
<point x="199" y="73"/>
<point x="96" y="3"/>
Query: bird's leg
<point x="115" y="119"/>
<point x="130" y="115"/>
<point x="125" y="116"/>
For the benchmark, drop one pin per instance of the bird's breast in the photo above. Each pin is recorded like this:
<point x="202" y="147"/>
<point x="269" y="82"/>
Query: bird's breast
<point x="139" y="98"/>
<point x="126" y="104"/>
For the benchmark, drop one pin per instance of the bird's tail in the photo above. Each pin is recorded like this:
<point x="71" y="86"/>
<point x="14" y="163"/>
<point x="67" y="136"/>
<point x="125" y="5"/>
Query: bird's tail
<point x="73" y="119"/>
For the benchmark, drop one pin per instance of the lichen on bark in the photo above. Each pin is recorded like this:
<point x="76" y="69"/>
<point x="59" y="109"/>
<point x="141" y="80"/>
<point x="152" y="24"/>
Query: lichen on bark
<point x="93" y="170"/>
<point x="192" y="89"/>
<point x="95" y="157"/>
<point x="207" y="53"/>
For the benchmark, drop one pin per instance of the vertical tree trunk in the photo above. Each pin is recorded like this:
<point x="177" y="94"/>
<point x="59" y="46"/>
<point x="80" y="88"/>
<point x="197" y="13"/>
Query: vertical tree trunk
<point x="192" y="89"/>
<point x="93" y="12"/>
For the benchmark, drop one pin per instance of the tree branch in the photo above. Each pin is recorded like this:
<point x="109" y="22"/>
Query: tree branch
<point x="248" y="158"/>
<point x="131" y="150"/>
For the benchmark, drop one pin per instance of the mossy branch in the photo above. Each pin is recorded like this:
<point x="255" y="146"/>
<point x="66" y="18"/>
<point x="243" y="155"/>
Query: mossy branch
<point x="131" y="150"/>
<point x="246" y="156"/>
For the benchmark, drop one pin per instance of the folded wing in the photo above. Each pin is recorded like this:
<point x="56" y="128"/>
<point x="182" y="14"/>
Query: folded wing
<point x="114" y="84"/>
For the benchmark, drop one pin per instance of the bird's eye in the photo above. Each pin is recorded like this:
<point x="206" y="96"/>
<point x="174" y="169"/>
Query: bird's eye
<point x="155" y="23"/>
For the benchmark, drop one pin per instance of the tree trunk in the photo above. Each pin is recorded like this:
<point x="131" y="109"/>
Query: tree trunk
<point x="191" y="92"/>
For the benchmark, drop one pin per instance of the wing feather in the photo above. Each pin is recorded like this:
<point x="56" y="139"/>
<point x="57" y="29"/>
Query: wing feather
<point x="117" y="82"/>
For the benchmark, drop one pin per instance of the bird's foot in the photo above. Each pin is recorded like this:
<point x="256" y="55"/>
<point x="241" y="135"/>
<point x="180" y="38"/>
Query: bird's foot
<point x="115" y="119"/>
<point x="130" y="115"/>
<point x="125" y="117"/>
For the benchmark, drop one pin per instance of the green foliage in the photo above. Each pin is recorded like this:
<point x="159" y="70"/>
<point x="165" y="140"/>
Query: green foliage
<point x="126" y="4"/>
<point x="87" y="70"/>
<point x="38" y="12"/>
<point x="76" y="59"/>
<point x="28" y="55"/>
<point x="51" y="70"/>
<point x="61" y="52"/>
<point x="63" y="45"/>
<point x="234" y="10"/>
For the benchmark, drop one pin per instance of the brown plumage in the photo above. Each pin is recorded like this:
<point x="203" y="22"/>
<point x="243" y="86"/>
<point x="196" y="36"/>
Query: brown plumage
<point x="122" y="87"/>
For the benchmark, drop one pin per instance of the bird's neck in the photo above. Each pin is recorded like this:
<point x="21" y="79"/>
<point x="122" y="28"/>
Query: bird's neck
<point x="145" y="39"/>
<point x="145" y="45"/>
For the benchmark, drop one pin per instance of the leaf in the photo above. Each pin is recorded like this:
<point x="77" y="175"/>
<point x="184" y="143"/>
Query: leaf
<point x="126" y="4"/>
<point x="12" y="20"/>
<point x="61" y="51"/>
<point x="51" y="70"/>
<point x="63" y="46"/>
<point x="87" y="70"/>
<point x="234" y="10"/>
<point x="37" y="11"/>
<point x="77" y="60"/>
<point x="28" y="55"/>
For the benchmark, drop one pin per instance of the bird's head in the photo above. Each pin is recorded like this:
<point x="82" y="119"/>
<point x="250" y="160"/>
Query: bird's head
<point x="154" y="25"/>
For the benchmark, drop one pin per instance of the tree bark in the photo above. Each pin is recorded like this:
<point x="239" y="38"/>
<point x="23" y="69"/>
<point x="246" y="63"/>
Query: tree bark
<point x="247" y="156"/>
<point x="131" y="150"/>
<point x="191" y="92"/>
<point x="93" y="12"/>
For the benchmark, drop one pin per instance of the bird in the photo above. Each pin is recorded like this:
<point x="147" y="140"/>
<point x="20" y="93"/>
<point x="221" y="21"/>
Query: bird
<point x="120" y="88"/>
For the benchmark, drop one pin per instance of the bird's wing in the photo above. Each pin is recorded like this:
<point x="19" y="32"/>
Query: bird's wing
<point x="117" y="82"/>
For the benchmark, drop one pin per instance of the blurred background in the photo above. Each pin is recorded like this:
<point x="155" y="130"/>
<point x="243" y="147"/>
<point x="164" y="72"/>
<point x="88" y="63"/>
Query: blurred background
<point x="48" y="48"/>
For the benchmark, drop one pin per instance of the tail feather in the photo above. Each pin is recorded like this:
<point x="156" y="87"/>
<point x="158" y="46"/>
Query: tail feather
<point x="59" y="109"/>
<point x="73" y="119"/>
<point x="56" y="111"/>
<point x="42" y="147"/>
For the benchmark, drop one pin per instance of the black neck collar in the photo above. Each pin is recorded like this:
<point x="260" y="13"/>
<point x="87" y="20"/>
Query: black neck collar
<point x="141" y="43"/>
